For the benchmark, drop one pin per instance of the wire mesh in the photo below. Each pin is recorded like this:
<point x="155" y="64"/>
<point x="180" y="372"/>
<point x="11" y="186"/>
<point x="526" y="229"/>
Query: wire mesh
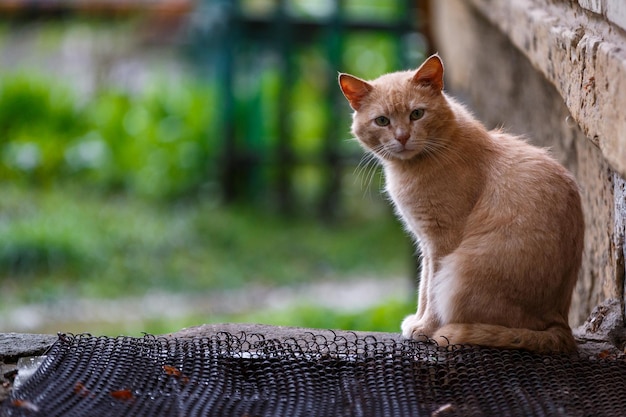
<point x="248" y="375"/>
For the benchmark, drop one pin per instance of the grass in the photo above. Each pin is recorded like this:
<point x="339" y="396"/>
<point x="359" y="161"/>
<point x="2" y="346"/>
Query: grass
<point x="62" y="243"/>
<point x="384" y="317"/>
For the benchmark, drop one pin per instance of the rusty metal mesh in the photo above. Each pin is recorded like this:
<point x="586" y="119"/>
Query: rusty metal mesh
<point x="246" y="375"/>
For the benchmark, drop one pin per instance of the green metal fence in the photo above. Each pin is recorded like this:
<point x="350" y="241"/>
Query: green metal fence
<point x="283" y="122"/>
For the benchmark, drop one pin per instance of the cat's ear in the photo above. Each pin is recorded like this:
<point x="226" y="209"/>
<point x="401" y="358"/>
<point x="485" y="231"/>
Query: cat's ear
<point x="430" y="73"/>
<point x="355" y="89"/>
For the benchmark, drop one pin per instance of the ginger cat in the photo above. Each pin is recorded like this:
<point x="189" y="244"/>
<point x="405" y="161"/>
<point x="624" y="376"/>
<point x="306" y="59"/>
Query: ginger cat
<point x="498" y="222"/>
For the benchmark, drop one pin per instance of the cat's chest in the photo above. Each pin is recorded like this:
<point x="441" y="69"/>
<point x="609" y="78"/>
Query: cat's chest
<point x="417" y="205"/>
<point x="413" y="192"/>
<point x="428" y="206"/>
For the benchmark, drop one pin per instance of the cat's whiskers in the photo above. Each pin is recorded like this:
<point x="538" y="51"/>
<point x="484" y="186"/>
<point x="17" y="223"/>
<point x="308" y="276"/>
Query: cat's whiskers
<point x="366" y="170"/>
<point x="372" y="173"/>
<point x="361" y="171"/>
<point x="375" y="163"/>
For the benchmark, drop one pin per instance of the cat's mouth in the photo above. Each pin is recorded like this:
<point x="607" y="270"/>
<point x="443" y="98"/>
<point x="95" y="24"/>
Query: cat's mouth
<point x="401" y="152"/>
<point x="407" y="154"/>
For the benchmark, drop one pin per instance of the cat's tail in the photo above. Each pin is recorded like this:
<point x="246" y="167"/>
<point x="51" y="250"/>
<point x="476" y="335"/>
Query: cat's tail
<point x="555" y="339"/>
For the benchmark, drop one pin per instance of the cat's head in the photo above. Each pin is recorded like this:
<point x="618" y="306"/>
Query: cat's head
<point x="399" y="115"/>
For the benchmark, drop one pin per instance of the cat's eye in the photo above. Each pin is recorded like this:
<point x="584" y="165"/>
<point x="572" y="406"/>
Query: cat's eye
<point x="381" y="121"/>
<point x="416" y="114"/>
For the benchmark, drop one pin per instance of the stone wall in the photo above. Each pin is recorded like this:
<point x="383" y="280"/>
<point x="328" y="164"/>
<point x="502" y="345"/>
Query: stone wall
<point x="556" y="72"/>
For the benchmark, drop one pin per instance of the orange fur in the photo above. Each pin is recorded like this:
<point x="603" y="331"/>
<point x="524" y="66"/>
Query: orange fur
<point x="498" y="221"/>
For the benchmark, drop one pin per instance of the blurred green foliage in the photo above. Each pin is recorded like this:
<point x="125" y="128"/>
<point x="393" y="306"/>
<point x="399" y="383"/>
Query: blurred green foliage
<point x="385" y="317"/>
<point x="381" y="10"/>
<point x="114" y="192"/>
<point x="152" y="144"/>
<point x="77" y="243"/>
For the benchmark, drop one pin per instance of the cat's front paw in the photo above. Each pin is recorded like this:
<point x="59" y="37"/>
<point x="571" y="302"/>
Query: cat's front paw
<point x="415" y="329"/>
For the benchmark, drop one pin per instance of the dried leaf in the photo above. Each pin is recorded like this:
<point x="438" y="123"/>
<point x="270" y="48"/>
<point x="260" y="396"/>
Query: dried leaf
<point x="604" y="354"/>
<point x="79" y="389"/>
<point x="171" y="370"/>
<point x="26" y="405"/>
<point x="123" y="394"/>
<point x="175" y="372"/>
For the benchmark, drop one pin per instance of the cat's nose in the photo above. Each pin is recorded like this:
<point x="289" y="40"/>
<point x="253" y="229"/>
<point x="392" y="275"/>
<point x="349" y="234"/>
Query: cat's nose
<point x="402" y="136"/>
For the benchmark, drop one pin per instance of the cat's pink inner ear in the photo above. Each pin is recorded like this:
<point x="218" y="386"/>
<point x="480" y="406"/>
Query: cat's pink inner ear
<point x="355" y="89"/>
<point x="430" y="73"/>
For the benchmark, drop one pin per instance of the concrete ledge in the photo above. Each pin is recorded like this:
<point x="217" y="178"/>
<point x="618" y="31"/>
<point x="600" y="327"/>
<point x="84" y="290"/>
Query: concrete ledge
<point x="582" y="54"/>
<point x="604" y="328"/>
<point x="280" y="333"/>
<point x="16" y="345"/>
